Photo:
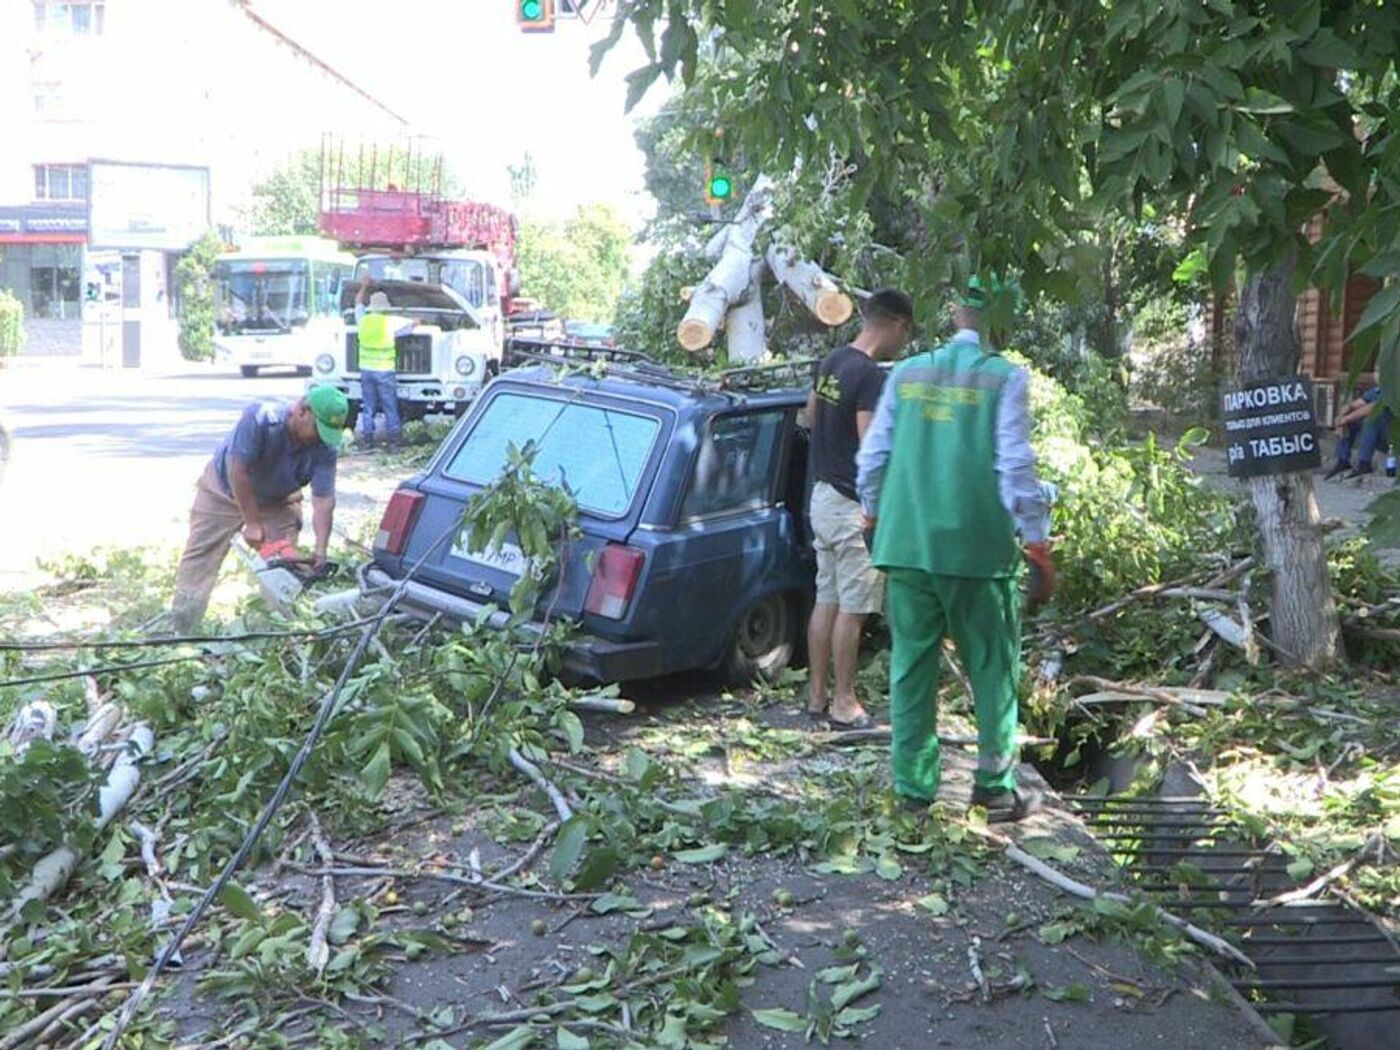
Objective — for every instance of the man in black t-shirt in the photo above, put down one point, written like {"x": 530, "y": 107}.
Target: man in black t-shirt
{"x": 848, "y": 588}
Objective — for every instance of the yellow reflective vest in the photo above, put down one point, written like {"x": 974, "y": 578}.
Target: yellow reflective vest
{"x": 376, "y": 334}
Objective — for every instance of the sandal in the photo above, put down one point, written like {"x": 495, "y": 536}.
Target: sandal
{"x": 861, "y": 721}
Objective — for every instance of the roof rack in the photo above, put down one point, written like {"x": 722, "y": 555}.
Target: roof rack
{"x": 801, "y": 372}
{"x": 637, "y": 366}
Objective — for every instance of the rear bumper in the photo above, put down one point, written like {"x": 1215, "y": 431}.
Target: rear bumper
{"x": 586, "y": 656}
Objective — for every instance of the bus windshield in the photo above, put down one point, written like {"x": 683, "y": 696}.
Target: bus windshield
{"x": 261, "y": 296}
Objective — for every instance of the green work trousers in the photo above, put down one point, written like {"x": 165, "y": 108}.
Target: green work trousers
{"x": 983, "y": 618}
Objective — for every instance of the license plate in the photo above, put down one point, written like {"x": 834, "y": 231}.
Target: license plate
{"x": 262, "y": 355}
{"x": 507, "y": 558}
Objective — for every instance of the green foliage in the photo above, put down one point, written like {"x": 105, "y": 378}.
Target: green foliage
{"x": 577, "y": 267}
{"x": 649, "y": 310}
{"x": 194, "y": 279}
{"x": 47, "y": 796}
{"x": 287, "y": 200}
{"x": 1126, "y": 515}
{"x": 12, "y": 335}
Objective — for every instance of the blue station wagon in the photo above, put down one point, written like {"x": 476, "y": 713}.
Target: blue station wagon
{"x": 691, "y": 494}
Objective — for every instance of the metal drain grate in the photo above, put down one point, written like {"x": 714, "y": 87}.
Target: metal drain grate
{"x": 1318, "y": 956}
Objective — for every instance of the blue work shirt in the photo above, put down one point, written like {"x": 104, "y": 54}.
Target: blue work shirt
{"x": 277, "y": 465}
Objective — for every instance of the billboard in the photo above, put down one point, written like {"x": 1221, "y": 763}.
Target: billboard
{"x": 160, "y": 206}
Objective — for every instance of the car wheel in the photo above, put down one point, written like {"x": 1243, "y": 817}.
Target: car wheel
{"x": 763, "y": 643}
{"x": 249, "y": 371}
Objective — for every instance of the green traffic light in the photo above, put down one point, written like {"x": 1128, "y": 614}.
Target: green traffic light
{"x": 721, "y": 186}
{"x": 531, "y": 10}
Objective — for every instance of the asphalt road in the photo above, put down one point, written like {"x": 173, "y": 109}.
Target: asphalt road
{"x": 109, "y": 458}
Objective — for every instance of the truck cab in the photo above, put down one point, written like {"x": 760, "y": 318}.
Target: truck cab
{"x": 441, "y": 364}
{"x": 455, "y": 296}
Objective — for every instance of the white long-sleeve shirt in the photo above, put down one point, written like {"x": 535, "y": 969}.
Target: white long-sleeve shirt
{"x": 1022, "y": 494}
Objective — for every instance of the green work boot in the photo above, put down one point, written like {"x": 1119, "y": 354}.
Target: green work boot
{"x": 1007, "y": 805}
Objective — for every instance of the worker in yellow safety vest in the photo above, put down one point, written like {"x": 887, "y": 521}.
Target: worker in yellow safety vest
{"x": 377, "y": 331}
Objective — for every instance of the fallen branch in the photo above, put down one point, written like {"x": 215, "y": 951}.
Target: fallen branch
{"x": 974, "y": 963}
{"x": 1320, "y": 883}
{"x": 59, "y": 1013}
{"x": 36, "y": 720}
{"x": 318, "y": 952}
{"x": 1371, "y": 634}
{"x": 561, "y": 804}
{"x": 1075, "y": 888}
{"x": 1189, "y": 700}
{"x": 53, "y": 870}
{"x": 611, "y": 705}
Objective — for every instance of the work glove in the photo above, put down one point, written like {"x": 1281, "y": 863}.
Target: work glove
{"x": 1041, "y": 584}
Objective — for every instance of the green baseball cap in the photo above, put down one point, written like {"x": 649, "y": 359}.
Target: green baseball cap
{"x": 330, "y": 407}
{"x": 974, "y": 298}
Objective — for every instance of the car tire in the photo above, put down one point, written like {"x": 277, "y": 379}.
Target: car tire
{"x": 249, "y": 371}
{"x": 763, "y": 643}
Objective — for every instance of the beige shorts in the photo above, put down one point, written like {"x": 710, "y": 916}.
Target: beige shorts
{"x": 845, "y": 577}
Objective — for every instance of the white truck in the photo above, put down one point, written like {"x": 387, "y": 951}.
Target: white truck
{"x": 455, "y": 349}
{"x": 277, "y": 302}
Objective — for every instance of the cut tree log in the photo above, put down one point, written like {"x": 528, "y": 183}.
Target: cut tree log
{"x": 725, "y": 284}
{"x": 36, "y": 720}
{"x": 743, "y": 328}
{"x": 1303, "y": 613}
{"x": 53, "y": 870}
{"x": 810, "y": 283}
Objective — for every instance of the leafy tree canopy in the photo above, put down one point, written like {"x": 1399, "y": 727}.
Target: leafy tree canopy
{"x": 576, "y": 267}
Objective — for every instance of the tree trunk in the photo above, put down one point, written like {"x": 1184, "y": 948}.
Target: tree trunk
{"x": 744, "y": 326}
{"x": 732, "y": 248}
{"x": 1303, "y": 614}
{"x": 810, "y": 283}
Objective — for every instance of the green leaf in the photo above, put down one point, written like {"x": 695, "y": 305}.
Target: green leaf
{"x": 838, "y": 974}
{"x": 568, "y": 847}
{"x": 854, "y": 1015}
{"x": 598, "y": 867}
{"x": 702, "y": 854}
{"x": 611, "y": 902}
{"x": 888, "y": 868}
{"x": 1379, "y": 308}
{"x": 235, "y": 898}
{"x": 1173, "y": 99}
{"x": 572, "y": 728}
{"x": 934, "y": 904}
{"x": 638, "y": 81}
{"x": 517, "y": 1038}
{"x": 1070, "y": 993}
{"x": 853, "y": 990}
{"x": 1048, "y": 849}
{"x": 375, "y": 773}
{"x": 1300, "y": 869}
{"x": 566, "y": 1040}
{"x": 782, "y": 1020}
{"x": 1384, "y": 529}
{"x": 1054, "y": 932}
{"x": 343, "y": 926}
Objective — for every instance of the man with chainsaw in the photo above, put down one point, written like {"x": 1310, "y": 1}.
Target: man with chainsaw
{"x": 253, "y": 485}
{"x": 947, "y": 479}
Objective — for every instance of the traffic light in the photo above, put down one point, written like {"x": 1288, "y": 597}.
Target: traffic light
{"x": 719, "y": 184}
{"x": 535, "y": 16}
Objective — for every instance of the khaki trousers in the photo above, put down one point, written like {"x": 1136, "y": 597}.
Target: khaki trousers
{"x": 214, "y": 521}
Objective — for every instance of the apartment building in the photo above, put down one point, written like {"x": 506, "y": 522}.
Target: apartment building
{"x": 208, "y": 84}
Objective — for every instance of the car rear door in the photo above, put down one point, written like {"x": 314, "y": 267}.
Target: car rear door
{"x": 603, "y": 449}
{"x": 735, "y": 539}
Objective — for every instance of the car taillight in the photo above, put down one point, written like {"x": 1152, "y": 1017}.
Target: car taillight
{"x": 614, "y": 581}
{"x": 398, "y": 520}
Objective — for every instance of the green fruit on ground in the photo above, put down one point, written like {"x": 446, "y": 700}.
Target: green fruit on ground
{"x": 783, "y": 897}
{"x": 539, "y": 927}
{"x": 420, "y": 907}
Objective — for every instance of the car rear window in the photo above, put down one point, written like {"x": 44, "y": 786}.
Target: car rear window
{"x": 596, "y": 453}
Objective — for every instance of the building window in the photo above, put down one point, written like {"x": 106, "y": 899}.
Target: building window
{"x": 60, "y": 182}
{"x": 70, "y": 18}
{"x": 45, "y": 277}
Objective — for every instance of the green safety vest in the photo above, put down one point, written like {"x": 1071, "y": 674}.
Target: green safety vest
{"x": 940, "y": 506}
{"x": 377, "y": 342}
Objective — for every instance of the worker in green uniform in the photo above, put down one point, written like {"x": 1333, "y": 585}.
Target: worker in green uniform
{"x": 947, "y": 479}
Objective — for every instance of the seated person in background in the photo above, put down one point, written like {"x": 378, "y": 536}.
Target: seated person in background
{"x": 1369, "y": 433}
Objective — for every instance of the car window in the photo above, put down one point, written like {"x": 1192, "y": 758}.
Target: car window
{"x": 596, "y": 453}
{"x": 734, "y": 469}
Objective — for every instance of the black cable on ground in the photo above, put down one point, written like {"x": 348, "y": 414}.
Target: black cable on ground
{"x": 60, "y": 676}
{"x": 279, "y": 796}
